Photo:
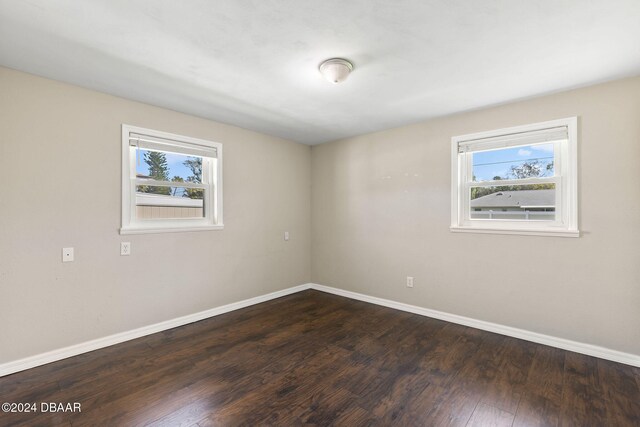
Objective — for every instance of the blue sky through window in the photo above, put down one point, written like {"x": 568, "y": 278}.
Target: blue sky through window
{"x": 175, "y": 165}
{"x": 489, "y": 164}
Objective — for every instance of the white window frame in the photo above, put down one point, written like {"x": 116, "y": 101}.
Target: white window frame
{"x": 211, "y": 183}
{"x": 565, "y": 179}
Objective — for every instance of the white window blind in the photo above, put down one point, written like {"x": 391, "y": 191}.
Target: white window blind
{"x": 542, "y": 136}
{"x": 152, "y": 143}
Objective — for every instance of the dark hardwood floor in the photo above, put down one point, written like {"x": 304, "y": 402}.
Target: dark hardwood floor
{"x": 317, "y": 359}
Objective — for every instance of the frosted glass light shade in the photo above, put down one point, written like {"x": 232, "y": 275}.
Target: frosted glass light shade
{"x": 336, "y": 70}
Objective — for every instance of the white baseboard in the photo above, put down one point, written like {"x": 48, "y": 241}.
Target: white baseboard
{"x": 63, "y": 353}
{"x": 578, "y": 347}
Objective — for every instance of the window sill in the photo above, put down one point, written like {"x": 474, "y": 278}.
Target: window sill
{"x": 522, "y": 232}
{"x": 153, "y": 230}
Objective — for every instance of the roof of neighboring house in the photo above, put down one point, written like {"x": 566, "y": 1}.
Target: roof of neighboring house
{"x": 149, "y": 199}
{"x": 519, "y": 199}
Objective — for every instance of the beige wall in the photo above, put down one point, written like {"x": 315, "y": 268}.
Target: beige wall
{"x": 60, "y": 165}
{"x": 381, "y": 212}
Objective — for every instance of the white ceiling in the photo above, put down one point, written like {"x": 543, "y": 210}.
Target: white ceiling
{"x": 254, "y": 63}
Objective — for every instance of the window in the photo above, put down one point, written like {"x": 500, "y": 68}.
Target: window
{"x": 169, "y": 182}
{"x": 520, "y": 180}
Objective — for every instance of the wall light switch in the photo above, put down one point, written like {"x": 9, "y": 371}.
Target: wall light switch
{"x": 67, "y": 254}
{"x": 125, "y": 248}
{"x": 286, "y": 235}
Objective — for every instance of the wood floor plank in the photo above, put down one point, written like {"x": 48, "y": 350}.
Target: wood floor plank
{"x": 621, "y": 392}
{"x": 294, "y": 376}
{"x": 489, "y": 416}
{"x": 540, "y": 404}
{"x": 482, "y": 367}
{"x": 318, "y": 359}
{"x": 583, "y": 401}
{"x": 416, "y": 410}
{"x": 454, "y": 407}
{"x": 505, "y": 389}
{"x": 357, "y": 416}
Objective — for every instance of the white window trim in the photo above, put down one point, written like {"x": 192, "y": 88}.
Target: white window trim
{"x": 566, "y": 181}
{"x": 129, "y": 224}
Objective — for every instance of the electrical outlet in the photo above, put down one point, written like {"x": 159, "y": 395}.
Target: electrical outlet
{"x": 286, "y": 235}
{"x": 409, "y": 282}
{"x": 125, "y": 248}
{"x": 67, "y": 254}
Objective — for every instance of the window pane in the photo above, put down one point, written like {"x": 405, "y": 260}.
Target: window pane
{"x": 163, "y": 166}
{"x": 521, "y": 202}
{"x": 155, "y": 202}
{"x": 527, "y": 161}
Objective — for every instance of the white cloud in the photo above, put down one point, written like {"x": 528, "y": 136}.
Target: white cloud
{"x": 543, "y": 147}
{"x": 523, "y": 152}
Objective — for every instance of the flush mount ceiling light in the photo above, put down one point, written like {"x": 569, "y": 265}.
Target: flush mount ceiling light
{"x": 336, "y": 70}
